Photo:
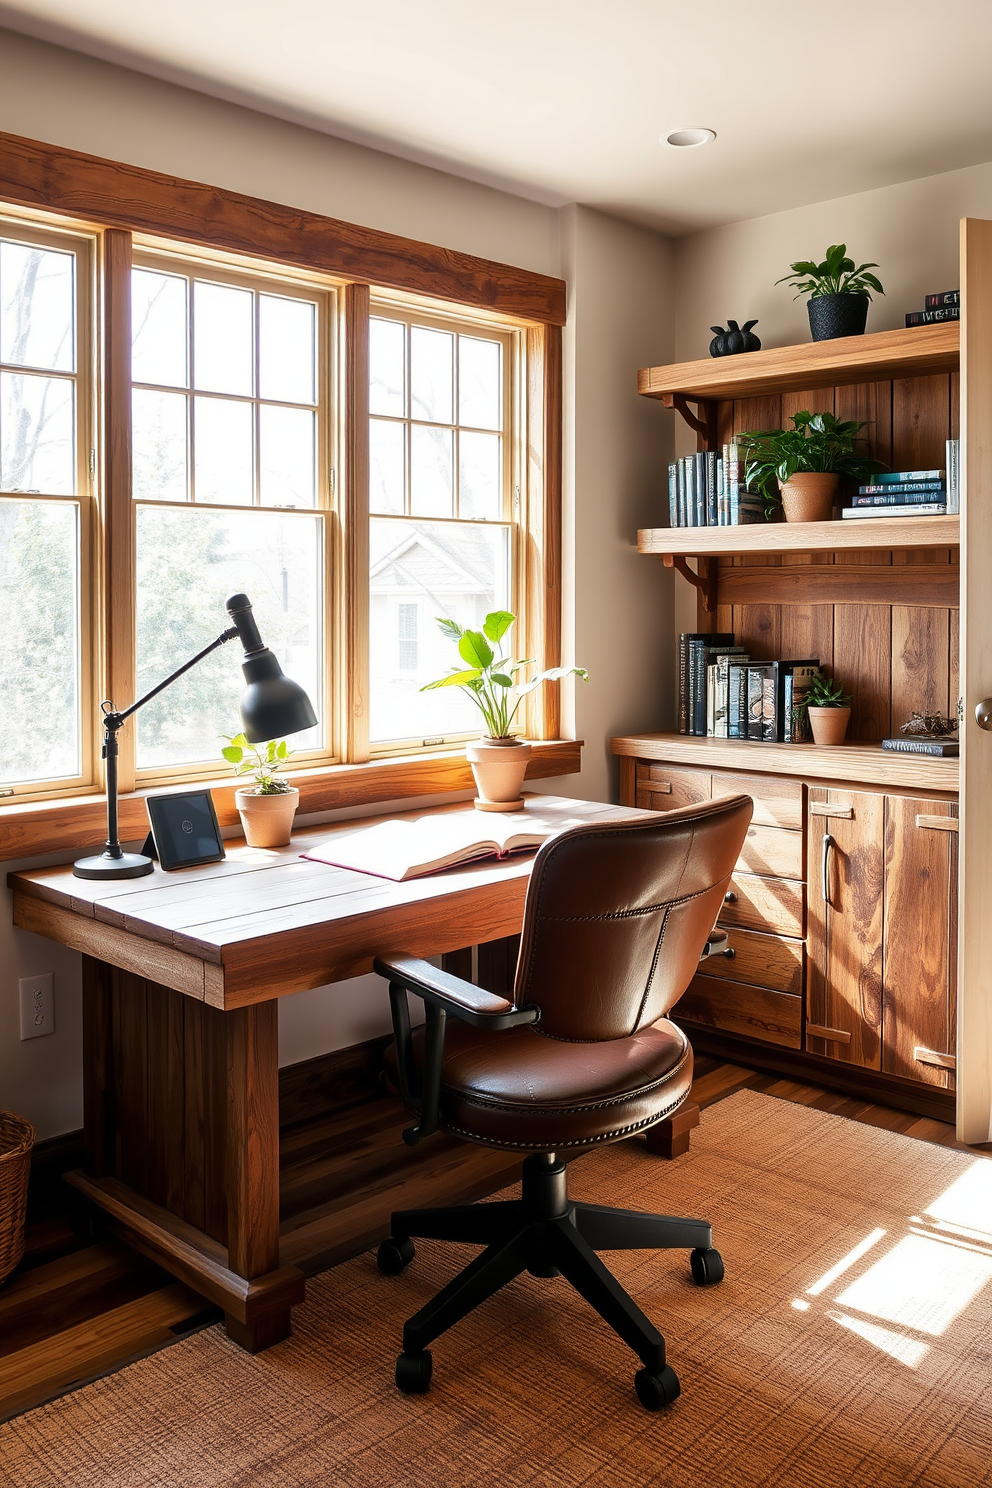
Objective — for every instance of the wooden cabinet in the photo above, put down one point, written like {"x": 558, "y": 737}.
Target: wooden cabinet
{"x": 841, "y": 918}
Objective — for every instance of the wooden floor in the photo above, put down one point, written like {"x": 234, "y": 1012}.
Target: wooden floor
{"x": 74, "y": 1311}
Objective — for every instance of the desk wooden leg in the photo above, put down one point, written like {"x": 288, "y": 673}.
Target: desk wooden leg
{"x": 253, "y": 1161}
{"x": 98, "y": 1068}
{"x": 671, "y": 1138}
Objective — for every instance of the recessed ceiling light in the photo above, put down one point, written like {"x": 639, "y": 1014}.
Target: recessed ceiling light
{"x": 687, "y": 139}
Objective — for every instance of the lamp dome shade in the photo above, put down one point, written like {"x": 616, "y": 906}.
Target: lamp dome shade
{"x": 273, "y": 704}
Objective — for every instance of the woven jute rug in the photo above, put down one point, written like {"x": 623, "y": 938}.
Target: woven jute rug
{"x": 849, "y": 1345}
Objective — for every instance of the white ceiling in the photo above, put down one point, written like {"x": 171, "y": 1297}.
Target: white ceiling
{"x": 565, "y": 100}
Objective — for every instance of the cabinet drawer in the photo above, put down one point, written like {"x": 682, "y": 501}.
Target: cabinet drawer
{"x": 777, "y": 802}
{"x": 759, "y": 960}
{"x": 772, "y": 853}
{"x": 775, "y": 904}
{"x": 663, "y": 788}
{"x": 754, "y": 1012}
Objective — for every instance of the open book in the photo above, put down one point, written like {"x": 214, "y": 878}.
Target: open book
{"x": 409, "y": 848}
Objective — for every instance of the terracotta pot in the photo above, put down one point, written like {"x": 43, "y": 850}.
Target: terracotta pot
{"x": 809, "y": 496}
{"x": 267, "y": 820}
{"x": 829, "y": 725}
{"x": 499, "y": 767}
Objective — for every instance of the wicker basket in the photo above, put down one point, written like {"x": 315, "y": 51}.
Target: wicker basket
{"x": 16, "y": 1142}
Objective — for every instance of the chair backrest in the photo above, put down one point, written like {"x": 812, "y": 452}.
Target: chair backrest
{"x": 617, "y": 916}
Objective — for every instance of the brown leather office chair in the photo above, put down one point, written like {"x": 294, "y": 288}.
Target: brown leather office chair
{"x": 617, "y": 919}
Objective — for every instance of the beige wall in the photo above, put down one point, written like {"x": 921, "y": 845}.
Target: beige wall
{"x": 910, "y": 230}
{"x": 617, "y": 607}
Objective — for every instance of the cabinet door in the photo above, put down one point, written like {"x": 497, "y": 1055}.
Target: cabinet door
{"x": 844, "y": 966}
{"x": 919, "y": 970}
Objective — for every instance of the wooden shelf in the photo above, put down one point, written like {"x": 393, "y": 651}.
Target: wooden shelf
{"x": 866, "y": 764}
{"x": 878, "y": 357}
{"x": 803, "y": 537}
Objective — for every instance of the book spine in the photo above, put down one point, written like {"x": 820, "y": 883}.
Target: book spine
{"x": 941, "y": 301}
{"x": 693, "y": 668}
{"x": 932, "y": 317}
{"x": 712, "y": 504}
{"x": 673, "y": 499}
{"x": 924, "y": 509}
{"x": 900, "y": 498}
{"x": 901, "y": 488}
{"x": 711, "y": 672}
{"x": 897, "y": 477}
{"x": 683, "y": 683}
{"x": 953, "y": 476}
{"x": 721, "y": 698}
{"x": 770, "y": 713}
{"x": 734, "y": 699}
{"x": 699, "y": 488}
{"x": 754, "y": 702}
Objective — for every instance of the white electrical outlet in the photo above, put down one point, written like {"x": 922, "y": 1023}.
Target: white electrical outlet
{"x": 37, "y": 1005}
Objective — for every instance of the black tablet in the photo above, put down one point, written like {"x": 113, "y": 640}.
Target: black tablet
{"x": 184, "y": 829}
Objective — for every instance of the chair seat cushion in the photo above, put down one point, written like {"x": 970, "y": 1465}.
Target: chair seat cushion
{"x": 518, "y": 1089}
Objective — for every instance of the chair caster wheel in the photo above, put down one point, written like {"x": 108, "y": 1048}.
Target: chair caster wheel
{"x": 413, "y": 1372}
{"x": 707, "y": 1267}
{"x": 656, "y": 1388}
{"x": 393, "y": 1256}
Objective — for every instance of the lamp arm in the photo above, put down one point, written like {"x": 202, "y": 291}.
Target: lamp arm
{"x": 114, "y": 719}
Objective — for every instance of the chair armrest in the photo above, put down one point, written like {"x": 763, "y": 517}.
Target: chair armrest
{"x": 717, "y": 944}
{"x": 442, "y": 994}
{"x": 473, "y": 1005}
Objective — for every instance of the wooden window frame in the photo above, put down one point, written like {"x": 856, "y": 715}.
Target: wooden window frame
{"x": 85, "y": 191}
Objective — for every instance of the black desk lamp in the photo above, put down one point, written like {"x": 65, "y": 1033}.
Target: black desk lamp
{"x": 273, "y": 705}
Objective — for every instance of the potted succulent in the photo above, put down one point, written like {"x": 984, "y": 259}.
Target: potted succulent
{"x": 829, "y": 709}
{"x": 802, "y": 466}
{"x": 839, "y": 292}
{"x": 499, "y": 758}
{"x": 266, "y": 807}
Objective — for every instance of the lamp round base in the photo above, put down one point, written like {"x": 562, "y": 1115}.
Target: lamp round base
{"x": 128, "y": 865}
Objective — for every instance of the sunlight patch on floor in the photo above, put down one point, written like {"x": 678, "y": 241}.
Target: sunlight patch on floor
{"x": 920, "y": 1283}
{"x": 907, "y": 1350}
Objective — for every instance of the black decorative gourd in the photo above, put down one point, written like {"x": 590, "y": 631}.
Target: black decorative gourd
{"x": 734, "y": 339}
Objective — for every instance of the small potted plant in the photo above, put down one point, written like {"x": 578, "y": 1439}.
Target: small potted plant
{"x": 839, "y": 291}
{"x": 268, "y": 806}
{"x": 829, "y": 709}
{"x": 800, "y": 468}
{"x": 499, "y": 758}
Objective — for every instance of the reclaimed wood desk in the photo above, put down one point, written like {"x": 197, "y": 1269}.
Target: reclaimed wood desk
{"x": 181, "y": 973}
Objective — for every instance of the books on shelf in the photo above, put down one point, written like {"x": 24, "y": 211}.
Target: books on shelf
{"x": 903, "y": 509}
{"x": 905, "y": 744}
{"x": 706, "y": 490}
{"x": 937, "y": 308}
{"x": 921, "y": 489}
{"x": 953, "y": 458}
{"x": 725, "y": 694}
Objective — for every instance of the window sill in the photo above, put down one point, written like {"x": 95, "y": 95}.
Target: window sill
{"x": 27, "y": 830}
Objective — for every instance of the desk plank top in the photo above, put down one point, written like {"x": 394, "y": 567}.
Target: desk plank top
{"x": 265, "y": 922}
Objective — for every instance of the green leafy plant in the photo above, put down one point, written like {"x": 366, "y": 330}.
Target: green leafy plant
{"x": 816, "y": 442}
{"x": 488, "y": 678}
{"x": 837, "y": 274}
{"x": 263, "y": 761}
{"x": 825, "y": 692}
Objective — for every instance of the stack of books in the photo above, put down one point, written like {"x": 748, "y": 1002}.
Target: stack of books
{"x": 724, "y": 694}
{"x": 943, "y": 306}
{"x": 707, "y": 490}
{"x": 911, "y": 493}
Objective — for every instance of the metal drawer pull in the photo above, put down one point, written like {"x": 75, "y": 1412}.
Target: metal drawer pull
{"x": 730, "y": 953}
{"x": 825, "y": 808}
{"x": 931, "y": 1056}
{"x": 828, "y": 843}
{"x": 939, "y": 823}
{"x": 730, "y": 898}
{"x": 829, "y": 1035}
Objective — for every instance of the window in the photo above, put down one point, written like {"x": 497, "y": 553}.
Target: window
{"x": 357, "y": 460}
{"x": 45, "y": 506}
{"x": 441, "y": 538}
{"x": 230, "y": 448}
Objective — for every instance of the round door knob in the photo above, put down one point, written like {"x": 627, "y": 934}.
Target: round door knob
{"x": 730, "y": 898}
{"x": 983, "y": 713}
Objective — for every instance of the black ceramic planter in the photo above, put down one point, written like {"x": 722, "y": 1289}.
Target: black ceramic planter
{"x": 837, "y": 315}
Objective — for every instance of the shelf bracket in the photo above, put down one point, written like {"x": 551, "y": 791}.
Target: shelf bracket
{"x": 704, "y": 580}
{"x": 703, "y": 422}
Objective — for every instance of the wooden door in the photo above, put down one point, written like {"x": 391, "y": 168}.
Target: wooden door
{"x": 919, "y": 958}
{"x": 974, "y": 1045}
{"x": 845, "y": 902}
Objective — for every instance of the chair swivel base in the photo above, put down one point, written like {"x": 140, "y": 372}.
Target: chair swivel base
{"x": 543, "y": 1232}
